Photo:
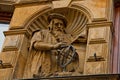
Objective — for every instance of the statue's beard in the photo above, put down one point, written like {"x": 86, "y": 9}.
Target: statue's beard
{"x": 58, "y": 35}
{"x": 58, "y": 30}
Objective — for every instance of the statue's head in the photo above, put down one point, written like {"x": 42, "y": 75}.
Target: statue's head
{"x": 57, "y": 22}
{"x": 59, "y": 17}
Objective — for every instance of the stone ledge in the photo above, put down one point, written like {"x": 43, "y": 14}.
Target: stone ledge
{"x": 82, "y": 77}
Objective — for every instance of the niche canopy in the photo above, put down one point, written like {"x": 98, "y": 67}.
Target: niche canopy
{"x": 76, "y": 21}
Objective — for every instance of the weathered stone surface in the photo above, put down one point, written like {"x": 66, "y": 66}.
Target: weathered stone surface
{"x": 6, "y": 74}
{"x": 82, "y": 77}
{"x": 88, "y": 24}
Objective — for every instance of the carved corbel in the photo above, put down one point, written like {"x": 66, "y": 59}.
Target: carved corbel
{"x": 95, "y": 58}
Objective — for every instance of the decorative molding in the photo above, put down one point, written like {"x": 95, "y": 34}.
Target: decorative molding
{"x": 17, "y": 32}
{"x": 99, "y": 19}
{"x": 97, "y": 41}
{"x": 15, "y": 27}
{"x": 82, "y": 77}
{"x": 93, "y": 59}
{"x": 10, "y": 48}
{"x": 99, "y": 24}
{"x": 61, "y": 3}
{"x": 13, "y": 39}
{"x": 12, "y": 43}
{"x": 98, "y": 35}
{"x": 29, "y": 3}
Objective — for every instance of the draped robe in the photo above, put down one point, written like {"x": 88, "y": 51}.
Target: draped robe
{"x": 43, "y": 62}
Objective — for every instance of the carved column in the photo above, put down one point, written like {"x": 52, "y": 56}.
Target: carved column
{"x": 14, "y": 54}
{"x": 97, "y": 60}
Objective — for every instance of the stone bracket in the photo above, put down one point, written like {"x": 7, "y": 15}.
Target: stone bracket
{"x": 95, "y": 58}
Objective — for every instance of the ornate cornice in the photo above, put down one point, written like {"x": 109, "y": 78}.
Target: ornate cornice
{"x": 101, "y": 24}
{"x": 16, "y": 32}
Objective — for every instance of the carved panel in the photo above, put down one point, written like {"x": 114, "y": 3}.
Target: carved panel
{"x": 9, "y": 57}
{"x": 98, "y": 52}
{"x": 12, "y": 42}
{"x": 99, "y": 49}
{"x": 96, "y": 67}
{"x": 99, "y": 34}
{"x": 6, "y": 74}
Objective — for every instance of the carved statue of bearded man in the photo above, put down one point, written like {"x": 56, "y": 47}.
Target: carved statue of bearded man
{"x": 42, "y": 59}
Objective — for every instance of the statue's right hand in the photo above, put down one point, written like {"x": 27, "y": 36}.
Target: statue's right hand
{"x": 60, "y": 45}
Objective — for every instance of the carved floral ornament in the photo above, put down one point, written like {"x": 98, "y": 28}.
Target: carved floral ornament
{"x": 76, "y": 21}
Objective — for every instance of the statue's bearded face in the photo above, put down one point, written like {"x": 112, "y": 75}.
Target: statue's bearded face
{"x": 58, "y": 25}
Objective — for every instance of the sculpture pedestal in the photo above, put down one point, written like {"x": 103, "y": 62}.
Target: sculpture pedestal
{"x": 82, "y": 77}
{"x": 62, "y": 74}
